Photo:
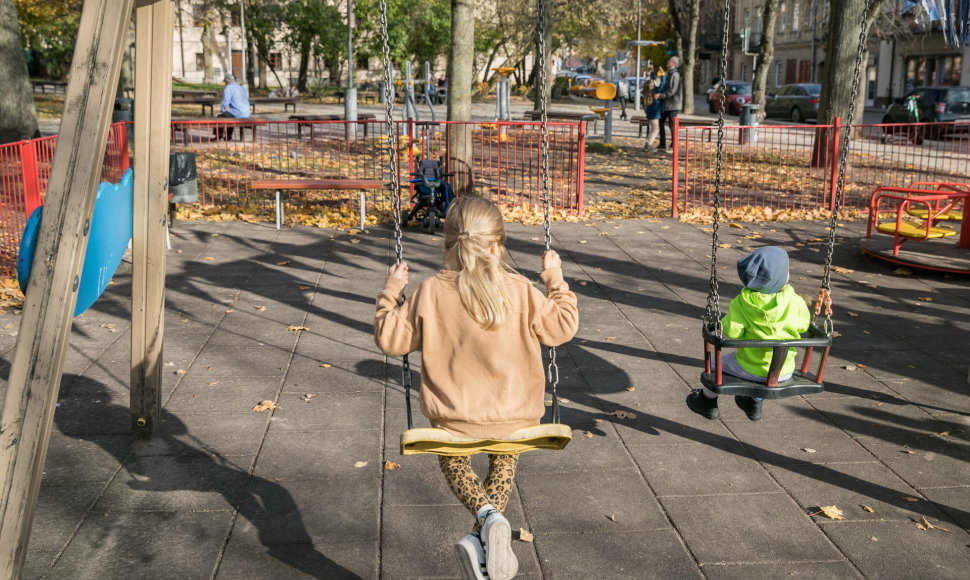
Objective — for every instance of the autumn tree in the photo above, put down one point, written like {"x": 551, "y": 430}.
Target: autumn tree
{"x": 18, "y": 118}
{"x": 766, "y": 54}
{"x": 686, "y": 15}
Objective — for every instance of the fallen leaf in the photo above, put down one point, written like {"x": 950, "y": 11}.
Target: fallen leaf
{"x": 924, "y": 524}
{"x": 724, "y": 245}
{"x": 297, "y": 328}
{"x": 587, "y": 434}
{"x": 583, "y": 242}
{"x": 582, "y": 282}
{"x": 831, "y": 512}
{"x": 907, "y": 451}
{"x": 326, "y": 365}
{"x": 169, "y": 364}
{"x": 230, "y": 311}
{"x": 213, "y": 383}
{"x": 354, "y": 240}
{"x": 283, "y": 263}
{"x": 109, "y": 326}
{"x": 388, "y": 465}
{"x": 910, "y": 498}
{"x": 867, "y": 508}
{"x": 208, "y": 258}
{"x": 611, "y": 338}
{"x": 611, "y": 517}
{"x": 809, "y": 450}
{"x": 849, "y": 367}
{"x": 260, "y": 308}
{"x": 735, "y": 226}
{"x": 631, "y": 389}
{"x": 924, "y": 299}
{"x": 360, "y": 464}
{"x": 525, "y": 535}
{"x": 852, "y": 314}
{"x": 303, "y": 287}
{"x": 842, "y": 270}
{"x": 623, "y": 415}
{"x": 902, "y": 272}
{"x": 181, "y": 372}
{"x": 266, "y": 405}
{"x": 307, "y": 396}
{"x": 944, "y": 434}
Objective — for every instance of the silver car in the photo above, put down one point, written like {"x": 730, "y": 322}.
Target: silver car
{"x": 796, "y": 102}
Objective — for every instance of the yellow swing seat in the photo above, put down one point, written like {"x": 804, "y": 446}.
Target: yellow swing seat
{"x": 550, "y": 436}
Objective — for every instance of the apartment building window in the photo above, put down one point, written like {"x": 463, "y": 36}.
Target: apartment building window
{"x": 780, "y": 29}
{"x": 779, "y": 71}
{"x": 795, "y": 16}
{"x": 275, "y": 60}
{"x": 950, "y": 67}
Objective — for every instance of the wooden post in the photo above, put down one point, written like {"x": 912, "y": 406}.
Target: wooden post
{"x": 35, "y": 374}
{"x": 153, "y": 111}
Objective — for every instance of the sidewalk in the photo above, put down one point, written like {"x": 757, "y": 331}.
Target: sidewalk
{"x": 222, "y": 491}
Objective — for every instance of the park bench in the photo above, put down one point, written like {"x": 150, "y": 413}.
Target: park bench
{"x": 54, "y": 86}
{"x": 278, "y": 186}
{"x": 209, "y": 102}
{"x": 307, "y": 121}
{"x": 183, "y": 127}
{"x": 642, "y": 122}
{"x": 561, "y": 116}
{"x": 287, "y": 102}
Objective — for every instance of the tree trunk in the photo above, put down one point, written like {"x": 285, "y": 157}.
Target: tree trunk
{"x": 542, "y": 59}
{"x": 766, "y": 54}
{"x": 18, "y": 117}
{"x": 304, "y": 65}
{"x": 841, "y": 48}
{"x": 689, "y": 56}
{"x": 127, "y": 76}
{"x": 461, "y": 67}
{"x": 208, "y": 47}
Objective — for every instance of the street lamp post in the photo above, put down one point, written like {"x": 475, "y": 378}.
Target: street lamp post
{"x": 242, "y": 34}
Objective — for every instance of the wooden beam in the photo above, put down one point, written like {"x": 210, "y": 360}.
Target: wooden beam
{"x": 35, "y": 374}
{"x": 153, "y": 110}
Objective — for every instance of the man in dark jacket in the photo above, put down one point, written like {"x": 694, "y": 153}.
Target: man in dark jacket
{"x": 672, "y": 98}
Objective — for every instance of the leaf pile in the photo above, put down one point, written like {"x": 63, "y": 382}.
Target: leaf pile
{"x": 11, "y": 298}
{"x": 747, "y": 213}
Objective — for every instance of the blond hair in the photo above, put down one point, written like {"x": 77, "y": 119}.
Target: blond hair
{"x": 473, "y": 228}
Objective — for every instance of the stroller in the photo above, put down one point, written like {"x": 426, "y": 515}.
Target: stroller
{"x": 432, "y": 195}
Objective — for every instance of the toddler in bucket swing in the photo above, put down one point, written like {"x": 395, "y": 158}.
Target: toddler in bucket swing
{"x": 479, "y": 326}
{"x": 766, "y": 309}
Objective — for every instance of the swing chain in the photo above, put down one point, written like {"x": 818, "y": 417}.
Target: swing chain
{"x": 541, "y": 82}
{"x": 712, "y": 313}
{"x": 395, "y": 184}
{"x": 846, "y": 138}
{"x": 392, "y": 142}
{"x": 541, "y": 86}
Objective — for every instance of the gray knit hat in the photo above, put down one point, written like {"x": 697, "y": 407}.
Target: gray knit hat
{"x": 764, "y": 270}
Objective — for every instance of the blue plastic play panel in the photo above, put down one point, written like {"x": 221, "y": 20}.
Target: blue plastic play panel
{"x": 107, "y": 241}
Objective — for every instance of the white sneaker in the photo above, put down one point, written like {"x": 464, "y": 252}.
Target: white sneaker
{"x": 471, "y": 558}
{"x": 501, "y": 563}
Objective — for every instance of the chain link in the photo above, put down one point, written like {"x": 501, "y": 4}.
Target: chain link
{"x": 712, "y": 313}
{"x": 845, "y": 140}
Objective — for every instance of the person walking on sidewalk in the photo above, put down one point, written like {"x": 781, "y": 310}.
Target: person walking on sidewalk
{"x": 767, "y": 309}
{"x": 651, "y": 108}
{"x": 672, "y": 99}
{"x": 479, "y": 326}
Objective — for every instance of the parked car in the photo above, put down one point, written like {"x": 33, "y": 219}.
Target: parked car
{"x": 797, "y": 102}
{"x": 933, "y": 105}
{"x": 736, "y": 93}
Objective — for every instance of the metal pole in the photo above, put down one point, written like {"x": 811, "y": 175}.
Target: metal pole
{"x": 636, "y": 95}
{"x": 242, "y": 34}
{"x": 350, "y": 94}
{"x": 814, "y": 21}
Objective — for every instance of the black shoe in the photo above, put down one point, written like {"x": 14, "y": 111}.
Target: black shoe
{"x": 750, "y": 406}
{"x": 702, "y": 405}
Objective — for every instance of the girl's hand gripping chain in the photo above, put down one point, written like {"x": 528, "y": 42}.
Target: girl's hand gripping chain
{"x": 550, "y": 259}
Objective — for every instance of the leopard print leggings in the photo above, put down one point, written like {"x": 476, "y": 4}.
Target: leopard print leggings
{"x": 470, "y": 491}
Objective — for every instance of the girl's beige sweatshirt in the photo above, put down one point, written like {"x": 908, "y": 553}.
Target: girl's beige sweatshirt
{"x": 474, "y": 382}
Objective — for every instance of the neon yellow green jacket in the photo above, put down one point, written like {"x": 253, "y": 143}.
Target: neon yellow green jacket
{"x": 756, "y": 316}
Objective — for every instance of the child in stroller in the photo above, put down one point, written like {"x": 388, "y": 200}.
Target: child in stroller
{"x": 432, "y": 195}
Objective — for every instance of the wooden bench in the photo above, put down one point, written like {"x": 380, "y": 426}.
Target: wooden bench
{"x": 561, "y": 116}
{"x": 209, "y": 102}
{"x": 286, "y": 101}
{"x": 54, "y": 86}
{"x": 183, "y": 126}
{"x": 280, "y": 185}
{"x": 307, "y": 121}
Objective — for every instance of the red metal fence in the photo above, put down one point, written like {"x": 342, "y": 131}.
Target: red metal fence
{"x": 25, "y": 169}
{"x": 772, "y": 166}
{"x": 497, "y": 160}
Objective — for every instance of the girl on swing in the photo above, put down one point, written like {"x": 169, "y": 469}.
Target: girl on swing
{"x": 479, "y": 326}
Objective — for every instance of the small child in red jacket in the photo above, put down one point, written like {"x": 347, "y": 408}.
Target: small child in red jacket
{"x": 479, "y": 326}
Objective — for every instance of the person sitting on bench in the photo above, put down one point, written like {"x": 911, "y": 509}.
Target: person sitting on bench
{"x": 235, "y": 105}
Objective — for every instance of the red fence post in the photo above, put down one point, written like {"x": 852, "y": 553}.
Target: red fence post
{"x": 834, "y": 160}
{"x": 31, "y": 178}
{"x": 676, "y": 168}
{"x": 581, "y": 169}
{"x": 121, "y": 134}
